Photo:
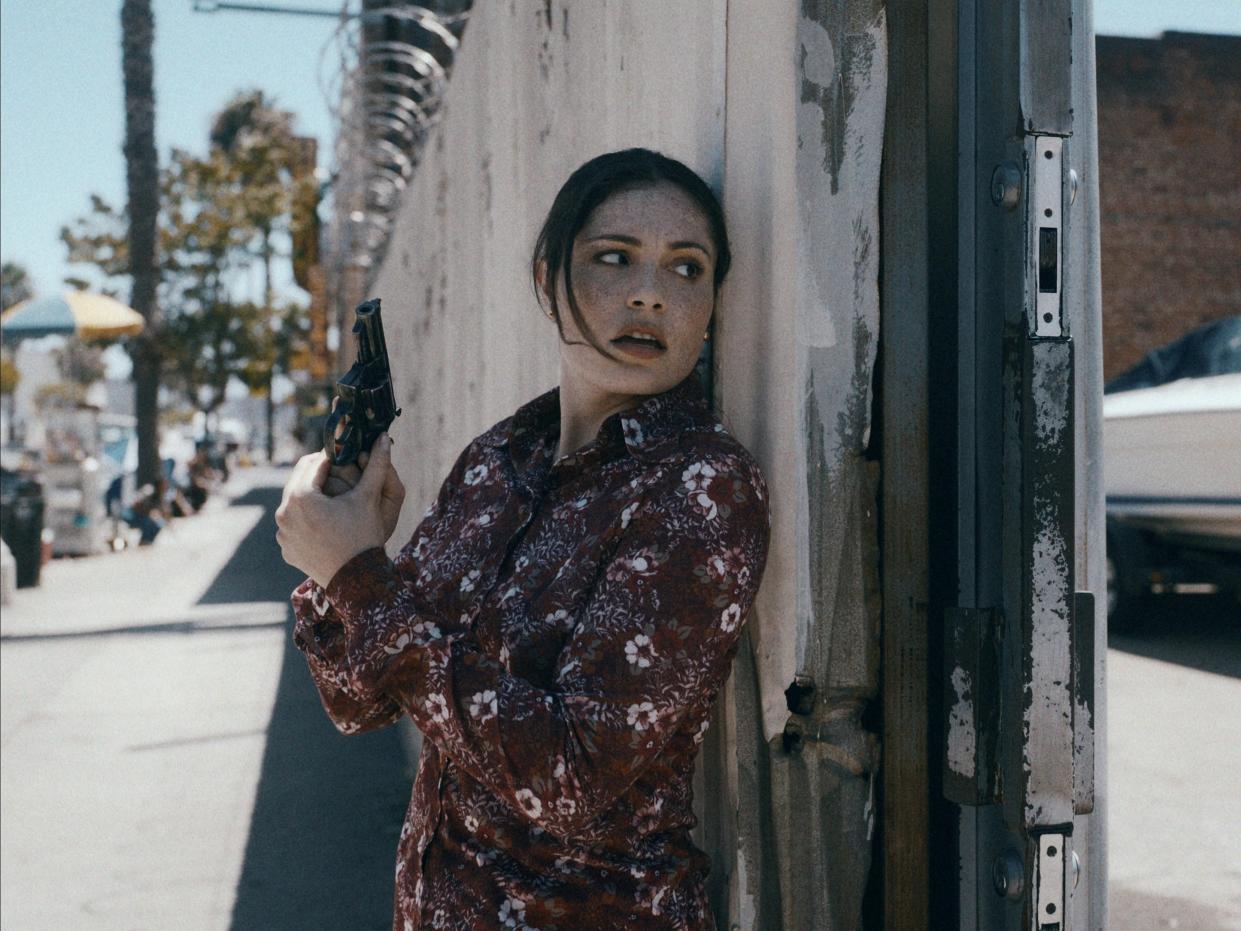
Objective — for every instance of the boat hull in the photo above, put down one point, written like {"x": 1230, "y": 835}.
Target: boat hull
{"x": 1172, "y": 460}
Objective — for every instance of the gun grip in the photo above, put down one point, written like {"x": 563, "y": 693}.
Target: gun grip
{"x": 344, "y": 448}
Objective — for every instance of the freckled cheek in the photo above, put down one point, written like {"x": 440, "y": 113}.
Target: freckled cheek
{"x": 598, "y": 299}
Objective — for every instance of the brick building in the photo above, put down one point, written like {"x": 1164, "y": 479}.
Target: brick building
{"x": 1169, "y": 188}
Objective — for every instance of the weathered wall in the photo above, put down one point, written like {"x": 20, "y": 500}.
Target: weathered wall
{"x": 780, "y": 106}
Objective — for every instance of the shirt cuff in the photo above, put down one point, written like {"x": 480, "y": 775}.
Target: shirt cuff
{"x": 356, "y": 583}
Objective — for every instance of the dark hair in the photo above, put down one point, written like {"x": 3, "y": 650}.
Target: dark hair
{"x": 587, "y": 188}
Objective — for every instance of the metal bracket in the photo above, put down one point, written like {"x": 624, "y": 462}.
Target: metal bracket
{"x": 1045, "y": 234}
{"x": 1049, "y": 882}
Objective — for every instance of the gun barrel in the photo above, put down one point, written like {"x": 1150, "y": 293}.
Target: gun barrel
{"x": 369, "y": 330}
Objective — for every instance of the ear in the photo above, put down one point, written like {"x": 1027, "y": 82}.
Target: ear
{"x": 540, "y": 276}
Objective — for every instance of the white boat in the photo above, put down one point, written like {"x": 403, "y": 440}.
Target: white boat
{"x": 1172, "y": 460}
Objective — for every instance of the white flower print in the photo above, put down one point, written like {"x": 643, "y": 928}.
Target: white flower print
{"x": 730, "y": 618}
{"x": 642, "y": 715}
{"x": 425, "y": 632}
{"x": 438, "y": 706}
{"x": 513, "y": 914}
{"x": 627, "y": 514}
{"x": 469, "y": 581}
{"x": 420, "y": 547}
{"x": 730, "y": 562}
{"x": 318, "y": 600}
{"x": 483, "y": 705}
{"x": 529, "y": 803}
{"x": 476, "y": 474}
{"x": 557, "y": 618}
{"x": 640, "y": 651}
{"x": 655, "y": 909}
{"x": 560, "y": 767}
{"x": 565, "y": 807}
{"x": 643, "y": 562}
{"x": 702, "y": 730}
{"x": 483, "y": 519}
{"x": 633, "y": 431}
{"x": 521, "y": 564}
{"x": 705, "y": 504}
{"x": 698, "y": 476}
{"x": 400, "y": 644}
{"x": 471, "y": 824}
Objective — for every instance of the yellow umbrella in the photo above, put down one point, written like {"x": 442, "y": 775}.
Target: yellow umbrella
{"x": 76, "y": 313}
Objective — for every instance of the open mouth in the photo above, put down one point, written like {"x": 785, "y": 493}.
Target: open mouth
{"x": 639, "y": 345}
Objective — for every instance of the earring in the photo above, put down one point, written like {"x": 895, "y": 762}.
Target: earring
{"x": 706, "y": 336}
{"x": 550, "y": 315}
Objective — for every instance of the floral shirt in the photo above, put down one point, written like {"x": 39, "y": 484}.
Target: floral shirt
{"x": 558, "y": 632}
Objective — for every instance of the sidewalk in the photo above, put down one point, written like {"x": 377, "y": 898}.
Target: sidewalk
{"x": 166, "y": 761}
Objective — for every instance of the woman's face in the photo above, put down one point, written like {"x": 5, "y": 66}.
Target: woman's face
{"x": 645, "y": 262}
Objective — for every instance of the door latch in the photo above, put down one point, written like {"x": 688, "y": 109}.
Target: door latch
{"x": 1046, "y": 234}
{"x": 1049, "y": 883}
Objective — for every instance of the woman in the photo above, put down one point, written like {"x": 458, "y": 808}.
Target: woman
{"x": 562, "y": 619}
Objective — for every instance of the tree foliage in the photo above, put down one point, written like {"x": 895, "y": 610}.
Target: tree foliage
{"x": 220, "y": 213}
{"x": 15, "y": 285}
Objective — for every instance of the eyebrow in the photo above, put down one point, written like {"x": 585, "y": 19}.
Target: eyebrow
{"x": 630, "y": 240}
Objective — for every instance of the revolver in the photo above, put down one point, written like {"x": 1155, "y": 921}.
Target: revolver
{"x": 365, "y": 403}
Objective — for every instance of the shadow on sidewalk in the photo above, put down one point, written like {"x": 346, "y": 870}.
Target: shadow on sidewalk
{"x": 255, "y": 572}
{"x": 327, "y": 814}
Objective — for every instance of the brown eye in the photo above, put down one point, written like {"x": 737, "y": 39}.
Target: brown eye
{"x": 694, "y": 269}
{"x": 604, "y": 258}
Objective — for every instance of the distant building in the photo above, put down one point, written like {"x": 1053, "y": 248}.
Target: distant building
{"x": 1169, "y": 188}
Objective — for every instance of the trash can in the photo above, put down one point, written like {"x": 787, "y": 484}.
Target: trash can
{"x": 21, "y": 523}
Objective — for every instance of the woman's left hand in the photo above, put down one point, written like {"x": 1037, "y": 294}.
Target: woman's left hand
{"x": 319, "y": 534}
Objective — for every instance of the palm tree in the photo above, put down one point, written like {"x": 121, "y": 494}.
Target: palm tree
{"x": 142, "y": 176}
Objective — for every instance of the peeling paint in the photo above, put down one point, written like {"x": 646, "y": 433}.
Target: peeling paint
{"x": 962, "y": 731}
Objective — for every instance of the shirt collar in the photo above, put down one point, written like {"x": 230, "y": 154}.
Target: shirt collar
{"x": 651, "y": 429}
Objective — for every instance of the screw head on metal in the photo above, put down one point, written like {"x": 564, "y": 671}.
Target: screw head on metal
{"x": 1008, "y": 875}
{"x": 1006, "y": 185}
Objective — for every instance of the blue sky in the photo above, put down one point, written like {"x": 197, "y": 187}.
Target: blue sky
{"x": 62, "y": 116}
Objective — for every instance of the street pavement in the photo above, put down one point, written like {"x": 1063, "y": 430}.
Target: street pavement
{"x": 1174, "y": 760}
{"x": 166, "y": 761}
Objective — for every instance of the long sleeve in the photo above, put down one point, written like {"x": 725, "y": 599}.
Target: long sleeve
{"x": 653, "y": 644}
{"x": 319, "y": 634}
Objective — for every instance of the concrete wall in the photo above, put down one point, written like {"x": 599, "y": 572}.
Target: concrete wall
{"x": 780, "y": 106}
